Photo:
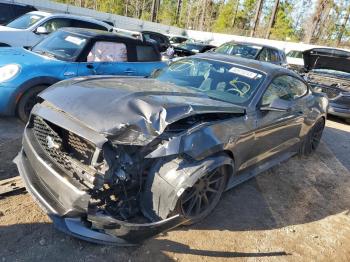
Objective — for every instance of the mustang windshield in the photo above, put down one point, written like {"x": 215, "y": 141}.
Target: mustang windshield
{"x": 219, "y": 80}
{"x": 61, "y": 45}
{"x": 246, "y": 50}
{"x": 25, "y": 21}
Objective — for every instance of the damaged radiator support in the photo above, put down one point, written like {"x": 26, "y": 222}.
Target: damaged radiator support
{"x": 113, "y": 178}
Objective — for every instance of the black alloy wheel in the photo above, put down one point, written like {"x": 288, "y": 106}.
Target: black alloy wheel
{"x": 199, "y": 200}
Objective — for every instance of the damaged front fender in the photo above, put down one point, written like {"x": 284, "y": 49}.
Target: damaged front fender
{"x": 168, "y": 179}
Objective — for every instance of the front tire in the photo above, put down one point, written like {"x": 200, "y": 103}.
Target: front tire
{"x": 201, "y": 199}
{"x": 27, "y": 102}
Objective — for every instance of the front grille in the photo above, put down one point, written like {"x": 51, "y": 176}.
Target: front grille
{"x": 58, "y": 140}
{"x": 68, "y": 150}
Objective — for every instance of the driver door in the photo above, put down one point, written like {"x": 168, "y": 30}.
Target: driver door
{"x": 106, "y": 58}
{"x": 278, "y": 130}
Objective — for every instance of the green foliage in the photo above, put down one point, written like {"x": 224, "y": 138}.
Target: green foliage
{"x": 245, "y": 15}
{"x": 283, "y": 28}
{"x": 236, "y": 16}
{"x": 225, "y": 17}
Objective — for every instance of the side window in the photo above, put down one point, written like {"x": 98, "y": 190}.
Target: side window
{"x": 146, "y": 53}
{"x": 298, "y": 88}
{"x": 84, "y": 24}
{"x": 274, "y": 56}
{"x": 56, "y": 23}
{"x": 263, "y": 56}
{"x": 5, "y": 13}
{"x": 298, "y": 54}
{"x": 284, "y": 87}
{"x": 103, "y": 51}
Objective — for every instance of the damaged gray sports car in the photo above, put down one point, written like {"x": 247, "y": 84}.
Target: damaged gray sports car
{"x": 118, "y": 160}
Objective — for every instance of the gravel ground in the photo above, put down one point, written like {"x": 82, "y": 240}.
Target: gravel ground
{"x": 297, "y": 211}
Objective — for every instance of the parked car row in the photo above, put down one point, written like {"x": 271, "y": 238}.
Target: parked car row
{"x": 120, "y": 145}
{"x": 68, "y": 53}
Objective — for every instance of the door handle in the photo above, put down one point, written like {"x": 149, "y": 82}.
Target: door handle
{"x": 90, "y": 66}
{"x": 129, "y": 71}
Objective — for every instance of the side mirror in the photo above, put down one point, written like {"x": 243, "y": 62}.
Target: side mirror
{"x": 278, "y": 105}
{"x": 41, "y": 30}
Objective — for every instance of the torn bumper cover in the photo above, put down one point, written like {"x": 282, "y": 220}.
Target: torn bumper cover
{"x": 67, "y": 205}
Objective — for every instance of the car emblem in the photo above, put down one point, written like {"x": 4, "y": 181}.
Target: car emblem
{"x": 51, "y": 143}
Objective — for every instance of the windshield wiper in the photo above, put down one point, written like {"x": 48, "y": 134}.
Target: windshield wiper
{"x": 45, "y": 53}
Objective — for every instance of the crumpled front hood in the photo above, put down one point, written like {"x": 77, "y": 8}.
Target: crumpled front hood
{"x": 132, "y": 110}
{"x": 21, "y": 56}
{"x": 327, "y": 58}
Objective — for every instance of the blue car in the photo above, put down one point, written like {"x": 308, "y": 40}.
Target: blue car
{"x": 68, "y": 53}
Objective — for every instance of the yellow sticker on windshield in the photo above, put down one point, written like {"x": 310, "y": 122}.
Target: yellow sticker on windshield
{"x": 245, "y": 73}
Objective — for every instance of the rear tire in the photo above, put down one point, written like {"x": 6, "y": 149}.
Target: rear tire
{"x": 314, "y": 137}
{"x": 27, "y": 102}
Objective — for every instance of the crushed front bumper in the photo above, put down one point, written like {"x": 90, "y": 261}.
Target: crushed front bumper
{"x": 67, "y": 205}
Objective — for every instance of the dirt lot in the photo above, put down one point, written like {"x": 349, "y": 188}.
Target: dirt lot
{"x": 298, "y": 211}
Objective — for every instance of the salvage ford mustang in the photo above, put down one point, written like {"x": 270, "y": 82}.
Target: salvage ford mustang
{"x": 118, "y": 160}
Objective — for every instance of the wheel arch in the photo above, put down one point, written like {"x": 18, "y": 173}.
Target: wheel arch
{"x": 38, "y": 81}
{"x": 169, "y": 178}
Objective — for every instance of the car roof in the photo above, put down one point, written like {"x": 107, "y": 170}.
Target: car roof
{"x": 41, "y": 13}
{"x": 81, "y": 18}
{"x": 152, "y": 32}
{"x": 102, "y": 35}
{"x": 265, "y": 67}
{"x": 197, "y": 44}
{"x": 256, "y": 44}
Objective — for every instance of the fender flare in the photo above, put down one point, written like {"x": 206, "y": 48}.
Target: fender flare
{"x": 169, "y": 178}
{"x": 42, "y": 80}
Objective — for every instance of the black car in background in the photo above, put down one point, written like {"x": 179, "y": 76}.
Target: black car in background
{"x": 328, "y": 71}
{"x": 161, "y": 40}
{"x": 254, "y": 51}
{"x": 176, "y": 40}
{"x": 186, "y": 49}
{"x": 10, "y": 11}
{"x": 194, "y": 48}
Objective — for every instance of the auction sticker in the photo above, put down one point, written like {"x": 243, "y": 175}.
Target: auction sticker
{"x": 74, "y": 40}
{"x": 245, "y": 73}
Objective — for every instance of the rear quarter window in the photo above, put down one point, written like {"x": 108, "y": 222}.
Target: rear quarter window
{"x": 146, "y": 53}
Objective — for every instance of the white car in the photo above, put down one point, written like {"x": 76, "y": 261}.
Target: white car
{"x": 29, "y": 29}
{"x": 295, "y": 59}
